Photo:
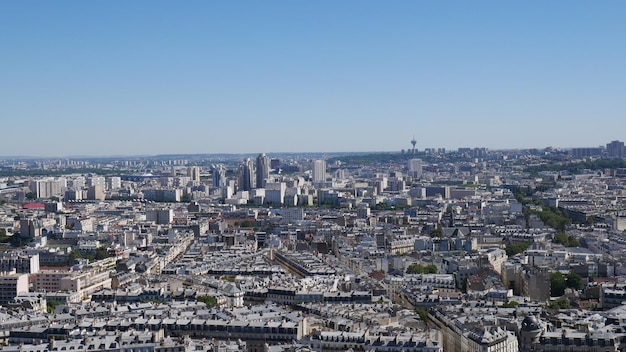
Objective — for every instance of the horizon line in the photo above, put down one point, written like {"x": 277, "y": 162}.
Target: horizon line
{"x": 5, "y": 157}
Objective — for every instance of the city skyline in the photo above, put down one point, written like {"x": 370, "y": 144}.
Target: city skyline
{"x": 149, "y": 78}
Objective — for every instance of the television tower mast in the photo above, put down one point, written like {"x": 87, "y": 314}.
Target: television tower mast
{"x": 413, "y": 142}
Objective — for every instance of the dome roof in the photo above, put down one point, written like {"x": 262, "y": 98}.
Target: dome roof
{"x": 531, "y": 323}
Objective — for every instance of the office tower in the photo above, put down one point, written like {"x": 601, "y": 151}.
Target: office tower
{"x": 319, "y": 171}
{"x": 95, "y": 193}
{"x": 586, "y": 152}
{"x": 160, "y": 216}
{"x": 218, "y": 175}
{"x": 76, "y": 183}
{"x": 246, "y": 175}
{"x": 96, "y": 181}
{"x": 47, "y": 188}
{"x": 114, "y": 182}
{"x": 262, "y": 170}
{"x": 72, "y": 194}
{"x": 615, "y": 149}
{"x": 415, "y": 168}
{"x": 52, "y": 207}
{"x": 194, "y": 173}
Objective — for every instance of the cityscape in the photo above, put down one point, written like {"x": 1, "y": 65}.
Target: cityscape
{"x": 312, "y": 176}
{"x": 416, "y": 250}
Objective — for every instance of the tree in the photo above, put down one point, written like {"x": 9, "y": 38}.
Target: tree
{"x": 421, "y": 269}
{"x": 557, "y": 284}
{"x": 436, "y": 233}
{"x": 574, "y": 281}
{"x": 102, "y": 253}
{"x": 423, "y": 314}
{"x": 567, "y": 241}
{"x": 510, "y": 304}
{"x": 51, "y": 306}
{"x": 210, "y": 301}
{"x": 513, "y": 249}
{"x": 74, "y": 255}
{"x": 246, "y": 223}
{"x": 560, "y": 303}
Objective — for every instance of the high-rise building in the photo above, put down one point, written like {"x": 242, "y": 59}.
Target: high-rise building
{"x": 262, "y": 170}
{"x": 246, "y": 175}
{"x": 218, "y": 175}
{"x": 160, "y": 216}
{"x": 76, "y": 183}
{"x": 194, "y": 173}
{"x": 586, "y": 152}
{"x": 95, "y": 193}
{"x": 319, "y": 171}
{"x": 47, "y": 188}
{"x": 615, "y": 149}
{"x": 114, "y": 182}
{"x": 96, "y": 181}
{"x": 415, "y": 168}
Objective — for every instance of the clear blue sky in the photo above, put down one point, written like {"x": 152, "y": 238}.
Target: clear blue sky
{"x": 152, "y": 77}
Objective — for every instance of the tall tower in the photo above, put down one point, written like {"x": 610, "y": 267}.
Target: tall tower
{"x": 262, "y": 170}
{"x": 413, "y": 142}
{"x": 194, "y": 173}
{"x": 615, "y": 149}
{"x": 246, "y": 175}
{"x": 319, "y": 171}
{"x": 219, "y": 175}
{"x": 415, "y": 168}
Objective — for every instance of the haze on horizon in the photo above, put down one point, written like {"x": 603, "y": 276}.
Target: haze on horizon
{"x": 159, "y": 77}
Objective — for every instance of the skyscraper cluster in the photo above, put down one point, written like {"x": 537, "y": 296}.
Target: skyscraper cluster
{"x": 254, "y": 173}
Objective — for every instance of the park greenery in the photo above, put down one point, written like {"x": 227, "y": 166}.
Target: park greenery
{"x": 13, "y": 240}
{"x": 51, "y": 306}
{"x": 422, "y": 269}
{"x": 510, "y": 304}
{"x": 553, "y": 217}
{"x": 436, "y": 232}
{"x": 560, "y": 303}
{"x": 513, "y": 249}
{"x": 210, "y": 301}
{"x": 423, "y": 314}
{"x": 567, "y": 241}
{"x": 599, "y": 164}
{"x": 101, "y": 253}
{"x": 244, "y": 223}
{"x": 559, "y": 282}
